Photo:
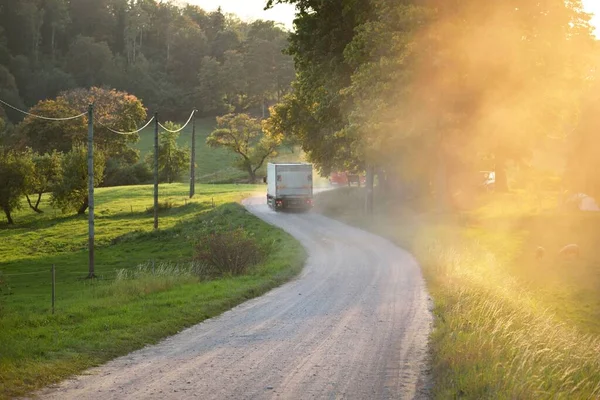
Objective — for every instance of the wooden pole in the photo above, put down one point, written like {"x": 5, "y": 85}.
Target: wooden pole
{"x": 53, "y": 287}
{"x": 91, "y": 266}
{"x": 193, "y": 158}
{"x": 155, "y": 171}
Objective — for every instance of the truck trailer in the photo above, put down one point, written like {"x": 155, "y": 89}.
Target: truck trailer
{"x": 290, "y": 186}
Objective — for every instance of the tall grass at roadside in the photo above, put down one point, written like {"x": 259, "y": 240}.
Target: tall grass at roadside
{"x": 151, "y": 278}
{"x": 495, "y": 340}
{"x": 496, "y": 335}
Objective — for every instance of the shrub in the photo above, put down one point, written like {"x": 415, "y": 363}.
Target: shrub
{"x": 231, "y": 252}
{"x": 162, "y": 206}
{"x": 119, "y": 173}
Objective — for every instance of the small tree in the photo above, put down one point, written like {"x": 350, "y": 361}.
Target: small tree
{"x": 15, "y": 170}
{"x": 172, "y": 160}
{"x": 71, "y": 190}
{"x": 245, "y": 136}
{"x": 46, "y": 174}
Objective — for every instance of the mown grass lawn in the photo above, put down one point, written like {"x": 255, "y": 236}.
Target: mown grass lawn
{"x": 507, "y": 326}
{"x": 97, "y": 320}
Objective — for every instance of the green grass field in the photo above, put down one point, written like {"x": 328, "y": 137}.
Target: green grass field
{"x": 507, "y": 326}
{"x": 97, "y": 320}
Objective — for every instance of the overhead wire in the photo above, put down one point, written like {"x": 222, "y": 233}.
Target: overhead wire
{"x": 126, "y": 133}
{"x": 100, "y": 123}
{"x": 42, "y": 117}
{"x": 180, "y": 129}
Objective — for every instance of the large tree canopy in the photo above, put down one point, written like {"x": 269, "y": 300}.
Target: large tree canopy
{"x": 429, "y": 88}
{"x": 112, "y": 109}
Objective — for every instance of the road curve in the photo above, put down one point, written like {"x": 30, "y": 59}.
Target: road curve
{"x": 353, "y": 325}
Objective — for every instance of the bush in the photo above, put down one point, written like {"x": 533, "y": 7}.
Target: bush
{"x": 162, "y": 206}
{"x": 231, "y": 252}
{"x": 122, "y": 174}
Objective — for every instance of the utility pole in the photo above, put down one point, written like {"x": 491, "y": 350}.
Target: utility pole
{"x": 193, "y": 158}
{"x": 91, "y": 271}
{"x": 155, "y": 170}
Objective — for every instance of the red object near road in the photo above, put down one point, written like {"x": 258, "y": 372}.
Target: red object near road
{"x": 344, "y": 178}
{"x": 338, "y": 178}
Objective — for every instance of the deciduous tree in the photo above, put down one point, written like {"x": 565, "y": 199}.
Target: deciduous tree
{"x": 71, "y": 191}
{"x": 45, "y": 175}
{"x": 90, "y": 62}
{"x": 15, "y": 170}
{"x": 172, "y": 160}
{"x": 246, "y": 137}
{"x": 45, "y": 136}
{"x": 117, "y": 110}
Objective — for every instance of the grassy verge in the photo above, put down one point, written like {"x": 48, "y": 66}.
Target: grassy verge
{"x": 507, "y": 325}
{"x": 129, "y": 306}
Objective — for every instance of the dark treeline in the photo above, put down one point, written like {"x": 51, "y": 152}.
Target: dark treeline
{"x": 173, "y": 58}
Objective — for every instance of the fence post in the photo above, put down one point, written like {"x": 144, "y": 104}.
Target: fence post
{"x": 53, "y": 287}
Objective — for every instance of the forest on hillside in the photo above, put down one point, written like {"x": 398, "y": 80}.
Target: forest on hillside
{"x": 172, "y": 57}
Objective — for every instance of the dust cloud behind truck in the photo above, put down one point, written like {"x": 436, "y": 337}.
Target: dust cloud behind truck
{"x": 290, "y": 186}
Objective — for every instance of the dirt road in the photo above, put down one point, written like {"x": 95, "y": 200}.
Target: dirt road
{"x": 354, "y": 325}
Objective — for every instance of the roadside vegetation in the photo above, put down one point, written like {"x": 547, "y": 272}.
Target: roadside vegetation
{"x": 150, "y": 284}
{"x": 507, "y": 324}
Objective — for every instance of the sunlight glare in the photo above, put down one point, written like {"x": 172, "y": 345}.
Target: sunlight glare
{"x": 593, "y": 7}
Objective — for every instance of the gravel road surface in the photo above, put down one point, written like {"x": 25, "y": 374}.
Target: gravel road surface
{"x": 353, "y": 325}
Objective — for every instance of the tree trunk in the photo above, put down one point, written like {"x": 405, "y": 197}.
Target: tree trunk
{"x": 37, "y": 203}
{"x": 8, "y": 217}
{"x": 36, "y": 207}
{"x": 83, "y": 207}
{"x": 501, "y": 181}
{"x": 251, "y": 174}
{"x": 441, "y": 183}
{"x": 369, "y": 192}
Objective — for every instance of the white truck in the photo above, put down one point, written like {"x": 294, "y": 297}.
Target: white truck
{"x": 289, "y": 186}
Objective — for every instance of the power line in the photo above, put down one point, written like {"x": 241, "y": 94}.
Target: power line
{"x": 127, "y": 133}
{"x": 180, "y": 129}
{"x": 42, "y": 117}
